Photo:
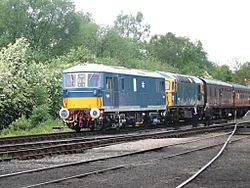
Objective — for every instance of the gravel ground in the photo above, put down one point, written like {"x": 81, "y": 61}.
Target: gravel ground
{"x": 230, "y": 171}
{"x": 162, "y": 173}
{"x": 96, "y": 153}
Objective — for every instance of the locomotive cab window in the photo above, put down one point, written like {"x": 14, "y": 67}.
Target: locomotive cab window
{"x": 81, "y": 81}
{"x": 69, "y": 80}
{"x": 93, "y": 80}
{"x": 108, "y": 83}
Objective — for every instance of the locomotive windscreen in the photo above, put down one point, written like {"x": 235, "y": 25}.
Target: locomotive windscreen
{"x": 81, "y": 80}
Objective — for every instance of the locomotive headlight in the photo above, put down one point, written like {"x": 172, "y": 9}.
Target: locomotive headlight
{"x": 64, "y": 113}
{"x": 95, "y": 113}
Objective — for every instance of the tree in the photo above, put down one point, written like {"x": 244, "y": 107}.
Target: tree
{"x": 13, "y": 21}
{"x": 130, "y": 26}
{"x": 179, "y": 52}
{"x": 88, "y": 34}
{"x": 242, "y": 72}
{"x": 48, "y": 25}
{"x": 114, "y": 46}
{"x": 222, "y": 73}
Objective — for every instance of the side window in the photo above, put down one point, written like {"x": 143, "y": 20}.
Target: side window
{"x": 122, "y": 84}
{"x": 167, "y": 85}
{"x": 108, "y": 83}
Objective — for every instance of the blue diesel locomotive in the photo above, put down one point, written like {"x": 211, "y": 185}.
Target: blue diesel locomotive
{"x": 96, "y": 95}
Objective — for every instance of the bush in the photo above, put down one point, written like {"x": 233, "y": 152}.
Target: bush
{"x": 20, "y": 124}
{"x": 39, "y": 114}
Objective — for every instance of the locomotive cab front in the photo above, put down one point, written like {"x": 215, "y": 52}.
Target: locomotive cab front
{"x": 82, "y": 101}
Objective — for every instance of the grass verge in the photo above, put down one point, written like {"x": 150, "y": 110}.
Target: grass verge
{"x": 42, "y": 128}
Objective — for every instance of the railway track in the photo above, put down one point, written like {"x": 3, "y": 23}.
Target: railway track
{"x": 72, "y": 134}
{"x": 36, "y": 150}
{"x": 69, "y": 175}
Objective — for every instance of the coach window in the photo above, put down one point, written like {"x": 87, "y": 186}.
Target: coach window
{"x": 108, "y": 83}
{"x": 70, "y": 80}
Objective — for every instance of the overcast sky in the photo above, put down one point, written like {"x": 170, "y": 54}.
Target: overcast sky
{"x": 223, "y": 26}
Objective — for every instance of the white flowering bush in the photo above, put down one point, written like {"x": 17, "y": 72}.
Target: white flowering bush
{"x": 25, "y": 84}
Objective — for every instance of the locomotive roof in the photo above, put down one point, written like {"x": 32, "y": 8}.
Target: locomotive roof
{"x": 111, "y": 69}
{"x": 181, "y": 77}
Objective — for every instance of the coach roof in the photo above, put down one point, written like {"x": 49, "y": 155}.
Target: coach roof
{"x": 216, "y": 82}
{"x": 111, "y": 69}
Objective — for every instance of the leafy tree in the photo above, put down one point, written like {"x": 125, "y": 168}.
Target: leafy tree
{"x": 179, "y": 52}
{"x": 222, "y": 73}
{"x": 242, "y": 72}
{"x": 13, "y": 21}
{"x": 130, "y": 26}
{"x": 88, "y": 34}
{"x": 48, "y": 25}
{"x": 114, "y": 46}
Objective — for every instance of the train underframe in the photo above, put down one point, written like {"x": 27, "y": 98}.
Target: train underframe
{"x": 80, "y": 119}
{"x": 181, "y": 114}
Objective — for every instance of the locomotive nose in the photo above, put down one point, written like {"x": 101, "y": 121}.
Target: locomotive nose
{"x": 64, "y": 113}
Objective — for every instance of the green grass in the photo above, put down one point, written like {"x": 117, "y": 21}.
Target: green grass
{"x": 45, "y": 127}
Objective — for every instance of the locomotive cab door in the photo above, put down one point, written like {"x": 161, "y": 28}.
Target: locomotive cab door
{"x": 112, "y": 91}
{"x": 170, "y": 86}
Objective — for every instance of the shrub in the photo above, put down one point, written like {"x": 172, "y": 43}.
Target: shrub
{"x": 39, "y": 114}
{"x": 20, "y": 124}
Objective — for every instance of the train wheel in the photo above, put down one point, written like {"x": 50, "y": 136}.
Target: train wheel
{"x": 99, "y": 126}
{"x": 77, "y": 128}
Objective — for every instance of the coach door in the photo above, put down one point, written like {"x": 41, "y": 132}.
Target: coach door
{"x": 220, "y": 96}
